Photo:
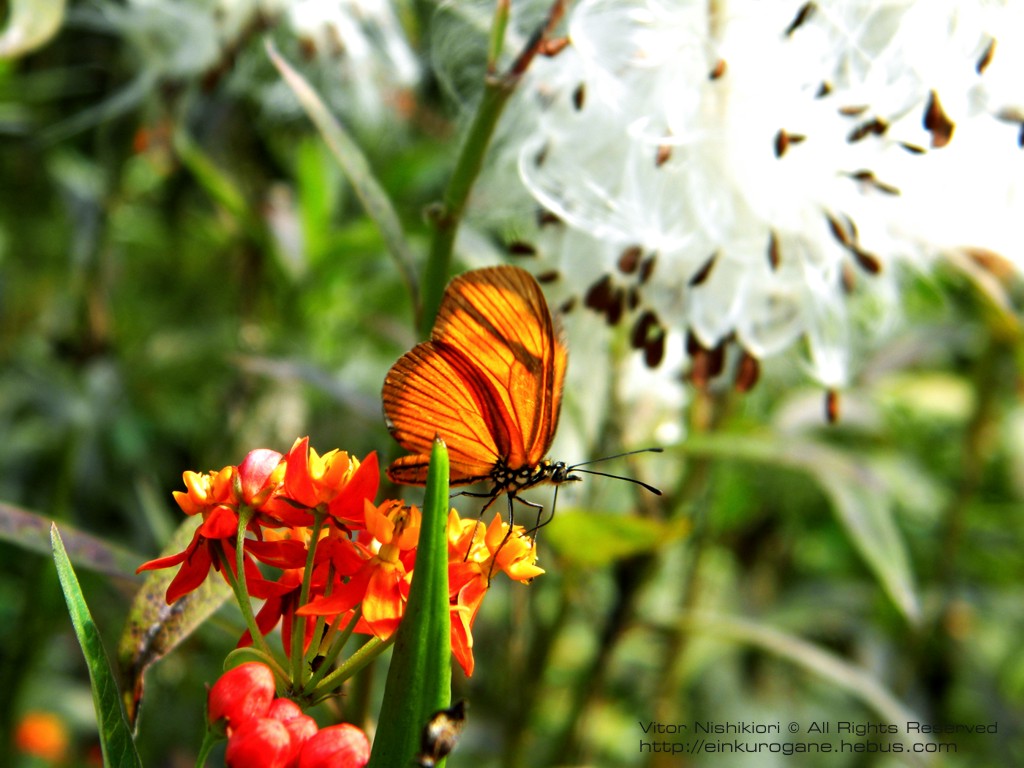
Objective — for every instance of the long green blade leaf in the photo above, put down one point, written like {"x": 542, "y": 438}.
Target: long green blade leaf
{"x": 356, "y": 168}
{"x": 419, "y": 679}
{"x": 30, "y": 531}
{"x": 115, "y": 733}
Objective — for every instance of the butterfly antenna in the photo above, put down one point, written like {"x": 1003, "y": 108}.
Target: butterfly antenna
{"x": 642, "y": 484}
{"x": 616, "y": 456}
{"x": 633, "y": 480}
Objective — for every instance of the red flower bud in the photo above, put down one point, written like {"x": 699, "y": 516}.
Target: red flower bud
{"x": 241, "y": 694}
{"x": 262, "y": 742}
{"x": 284, "y": 710}
{"x": 337, "y": 746}
{"x": 256, "y": 475}
{"x": 300, "y": 727}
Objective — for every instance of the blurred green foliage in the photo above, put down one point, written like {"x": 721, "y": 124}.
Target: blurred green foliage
{"x": 189, "y": 277}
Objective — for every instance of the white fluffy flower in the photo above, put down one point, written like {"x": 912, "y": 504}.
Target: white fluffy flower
{"x": 359, "y": 55}
{"x": 745, "y": 170}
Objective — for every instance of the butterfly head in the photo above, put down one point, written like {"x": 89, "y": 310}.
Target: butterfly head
{"x": 560, "y": 472}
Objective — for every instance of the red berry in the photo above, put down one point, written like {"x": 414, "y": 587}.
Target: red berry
{"x": 337, "y": 746}
{"x": 260, "y": 743}
{"x": 241, "y": 694}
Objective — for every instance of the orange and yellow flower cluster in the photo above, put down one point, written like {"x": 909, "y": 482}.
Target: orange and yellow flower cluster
{"x": 322, "y": 555}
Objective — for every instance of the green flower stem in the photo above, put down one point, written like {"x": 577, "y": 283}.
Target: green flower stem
{"x": 237, "y": 581}
{"x": 497, "y": 91}
{"x": 447, "y": 219}
{"x": 262, "y": 651}
{"x": 373, "y": 648}
{"x": 299, "y": 622}
{"x": 497, "y": 41}
{"x": 209, "y": 740}
{"x": 336, "y": 642}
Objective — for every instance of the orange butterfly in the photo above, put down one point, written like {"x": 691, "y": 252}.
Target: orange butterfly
{"x": 489, "y": 382}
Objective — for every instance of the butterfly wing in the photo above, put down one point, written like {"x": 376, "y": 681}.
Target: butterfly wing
{"x": 489, "y": 381}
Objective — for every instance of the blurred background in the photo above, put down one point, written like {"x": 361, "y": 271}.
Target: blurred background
{"x": 186, "y": 274}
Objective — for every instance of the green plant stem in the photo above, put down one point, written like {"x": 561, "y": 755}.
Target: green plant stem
{"x": 209, "y": 740}
{"x": 237, "y": 581}
{"x": 299, "y": 622}
{"x": 336, "y": 646}
{"x": 373, "y": 648}
{"x": 497, "y": 41}
{"x": 448, "y": 217}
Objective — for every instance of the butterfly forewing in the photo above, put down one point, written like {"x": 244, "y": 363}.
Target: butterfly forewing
{"x": 499, "y": 318}
{"x": 489, "y": 381}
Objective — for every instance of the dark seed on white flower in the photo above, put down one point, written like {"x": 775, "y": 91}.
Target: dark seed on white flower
{"x": 805, "y": 12}
{"x": 748, "y": 371}
{"x": 567, "y": 306}
{"x": 937, "y": 123}
{"x": 874, "y": 127}
{"x": 773, "y": 251}
{"x": 579, "y": 96}
{"x": 546, "y": 217}
{"x": 646, "y": 268}
{"x": 853, "y": 110}
{"x": 629, "y": 259}
{"x": 781, "y": 143}
{"x": 704, "y": 272}
{"x": 784, "y": 139}
{"x": 913, "y": 148}
{"x": 838, "y": 232}
{"x": 654, "y": 350}
{"x": 831, "y": 406}
{"x": 718, "y": 70}
{"x": 823, "y": 90}
{"x": 641, "y": 328}
{"x": 521, "y": 248}
{"x": 986, "y": 57}
{"x": 847, "y": 278}
{"x": 868, "y": 179}
{"x": 599, "y": 295}
{"x": 551, "y": 276}
{"x": 867, "y": 261}
{"x": 662, "y": 155}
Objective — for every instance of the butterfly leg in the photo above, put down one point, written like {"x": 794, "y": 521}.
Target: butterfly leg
{"x": 512, "y": 497}
{"x": 491, "y": 498}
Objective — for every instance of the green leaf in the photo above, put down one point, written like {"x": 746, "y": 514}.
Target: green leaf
{"x": 419, "y": 679}
{"x": 595, "y": 540}
{"x": 216, "y": 182}
{"x": 154, "y": 628}
{"x": 861, "y": 500}
{"x": 31, "y": 531}
{"x": 115, "y": 733}
{"x": 357, "y": 170}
